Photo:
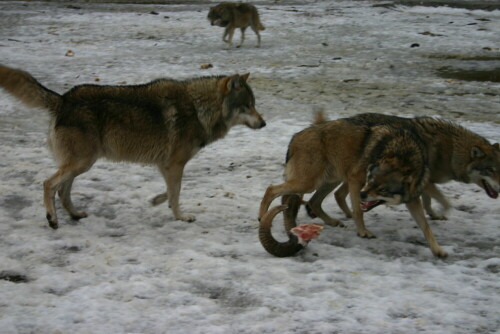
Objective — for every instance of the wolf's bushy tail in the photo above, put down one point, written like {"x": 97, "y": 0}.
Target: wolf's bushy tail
{"x": 256, "y": 20}
{"x": 27, "y": 89}
{"x": 261, "y": 27}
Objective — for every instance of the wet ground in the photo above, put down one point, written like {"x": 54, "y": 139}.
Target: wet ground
{"x": 472, "y": 5}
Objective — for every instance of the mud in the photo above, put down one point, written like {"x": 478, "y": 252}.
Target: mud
{"x": 492, "y": 75}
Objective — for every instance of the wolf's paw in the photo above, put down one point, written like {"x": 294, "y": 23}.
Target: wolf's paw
{"x": 439, "y": 253}
{"x": 186, "y": 218}
{"x": 366, "y": 234}
{"x": 334, "y": 222}
{"x": 438, "y": 217}
{"x": 52, "y": 221}
{"x": 78, "y": 215}
{"x": 158, "y": 199}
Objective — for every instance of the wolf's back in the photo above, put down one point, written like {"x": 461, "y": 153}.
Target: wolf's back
{"x": 27, "y": 89}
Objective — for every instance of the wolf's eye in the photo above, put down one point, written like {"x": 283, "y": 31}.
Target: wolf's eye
{"x": 488, "y": 171}
{"x": 383, "y": 191}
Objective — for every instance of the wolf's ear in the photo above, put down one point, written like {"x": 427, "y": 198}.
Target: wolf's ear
{"x": 234, "y": 83}
{"x": 245, "y": 76}
{"x": 227, "y": 84}
{"x": 476, "y": 153}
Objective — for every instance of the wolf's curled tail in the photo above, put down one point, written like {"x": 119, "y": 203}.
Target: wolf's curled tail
{"x": 27, "y": 89}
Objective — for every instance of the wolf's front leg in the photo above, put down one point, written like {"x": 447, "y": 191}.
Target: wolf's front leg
{"x": 417, "y": 212}
{"x": 229, "y": 33}
{"x": 354, "y": 191}
{"x": 173, "y": 178}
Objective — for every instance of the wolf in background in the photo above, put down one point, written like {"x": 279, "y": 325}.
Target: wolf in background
{"x": 231, "y": 15}
{"x": 164, "y": 123}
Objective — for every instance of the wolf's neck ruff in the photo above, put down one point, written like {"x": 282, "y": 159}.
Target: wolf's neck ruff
{"x": 208, "y": 100}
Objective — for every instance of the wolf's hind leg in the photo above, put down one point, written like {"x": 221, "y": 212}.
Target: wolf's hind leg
{"x": 317, "y": 199}
{"x": 256, "y": 31}
{"x": 242, "y": 37}
{"x": 290, "y": 187}
{"x": 56, "y": 182}
{"x": 431, "y": 191}
{"x": 65, "y": 196}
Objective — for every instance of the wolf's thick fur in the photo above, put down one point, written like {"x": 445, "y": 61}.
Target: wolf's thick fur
{"x": 455, "y": 153}
{"x": 231, "y": 15}
{"x": 163, "y": 122}
{"x": 328, "y": 153}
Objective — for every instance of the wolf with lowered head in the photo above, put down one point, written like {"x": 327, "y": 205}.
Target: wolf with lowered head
{"x": 327, "y": 153}
{"x": 164, "y": 123}
{"x": 455, "y": 153}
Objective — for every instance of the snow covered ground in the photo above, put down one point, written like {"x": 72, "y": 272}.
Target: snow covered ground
{"x": 131, "y": 268}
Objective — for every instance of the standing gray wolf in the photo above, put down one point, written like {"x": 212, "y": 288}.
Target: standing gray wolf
{"x": 328, "y": 153}
{"x": 455, "y": 153}
{"x": 231, "y": 15}
{"x": 164, "y": 123}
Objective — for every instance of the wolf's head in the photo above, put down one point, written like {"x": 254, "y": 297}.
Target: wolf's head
{"x": 385, "y": 183}
{"x": 398, "y": 171}
{"x": 218, "y": 15}
{"x": 484, "y": 168}
{"x": 239, "y": 102}
{"x": 389, "y": 182}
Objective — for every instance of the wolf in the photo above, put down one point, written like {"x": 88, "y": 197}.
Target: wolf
{"x": 455, "y": 153}
{"x": 328, "y": 153}
{"x": 231, "y": 15}
{"x": 164, "y": 122}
